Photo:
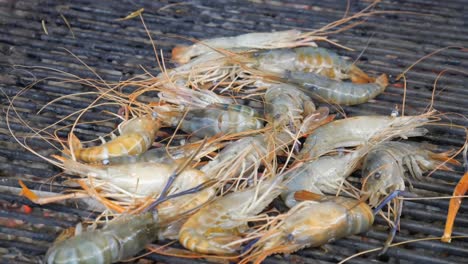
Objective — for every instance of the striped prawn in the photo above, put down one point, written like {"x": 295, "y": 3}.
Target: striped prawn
{"x": 357, "y": 131}
{"x": 313, "y": 222}
{"x": 385, "y": 168}
{"x": 136, "y": 136}
{"x": 215, "y": 119}
{"x": 215, "y": 228}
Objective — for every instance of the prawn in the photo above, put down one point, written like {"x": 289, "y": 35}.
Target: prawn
{"x": 337, "y": 92}
{"x": 359, "y": 130}
{"x": 215, "y": 119}
{"x": 262, "y": 40}
{"x": 312, "y": 223}
{"x": 140, "y": 180}
{"x": 384, "y": 170}
{"x": 120, "y": 239}
{"x": 287, "y": 105}
{"x": 385, "y": 165}
{"x": 242, "y": 158}
{"x": 136, "y": 136}
{"x": 316, "y": 61}
{"x": 324, "y": 175}
{"x": 167, "y": 154}
{"x": 215, "y": 228}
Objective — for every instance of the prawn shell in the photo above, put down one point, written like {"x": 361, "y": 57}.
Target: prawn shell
{"x": 337, "y": 92}
{"x": 210, "y": 229}
{"x": 319, "y": 223}
{"x": 119, "y": 240}
{"x": 331, "y": 221}
{"x": 220, "y": 119}
{"x": 136, "y": 137}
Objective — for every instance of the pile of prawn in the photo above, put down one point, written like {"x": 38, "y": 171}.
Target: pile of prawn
{"x": 250, "y": 123}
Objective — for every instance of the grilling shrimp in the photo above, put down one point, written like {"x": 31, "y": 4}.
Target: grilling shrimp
{"x": 215, "y": 119}
{"x": 262, "y": 40}
{"x": 356, "y": 131}
{"x": 317, "y": 61}
{"x": 324, "y": 175}
{"x": 136, "y": 136}
{"x": 286, "y": 105}
{"x": 120, "y": 239}
{"x": 241, "y": 159}
{"x": 385, "y": 167}
{"x": 337, "y": 92}
{"x": 312, "y": 224}
{"x": 215, "y": 228}
{"x": 140, "y": 180}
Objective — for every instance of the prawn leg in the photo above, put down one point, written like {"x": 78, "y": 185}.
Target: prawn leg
{"x": 30, "y": 195}
{"x": 396, "y": 224}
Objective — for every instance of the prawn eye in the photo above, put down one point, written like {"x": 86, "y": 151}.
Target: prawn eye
{"x": 377, "y": 175}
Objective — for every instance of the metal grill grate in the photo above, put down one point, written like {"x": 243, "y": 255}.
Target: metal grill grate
{"x": 120, "y": 49}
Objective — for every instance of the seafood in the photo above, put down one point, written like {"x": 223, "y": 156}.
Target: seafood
{"x": 136, "y": 136}
{"x": 385, "y": 166}
{"x": 359, "y": 130}
{"x": 177, "y": 93}
{"x": 215, "y": 119}
{"x": 320, "y": 61}
{"x": 215, "y": 226}
{"x": 384, "y": 170}
{"x": 156, "y": 155}
{"x": 242, "y": 158}
{"x": 337, "y": 92}
{"x": 324, "y": 175}
{"x": 140, "y": 180}
{"x": 262, "y": 40}
{"x": 460, "y": 189}
{"x": 286, "y": 105}
{"x": 239, "y": 159}
{"x": 167, "y": 155}
{"x": 312, "y": 224}
{"x": 120, "y": 239}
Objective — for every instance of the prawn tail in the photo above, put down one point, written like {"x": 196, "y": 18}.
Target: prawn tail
{"x": 26, "y": 192}
{"x": 307, "y": 196}
{"x": 460, "y": 189}
{"x": 382, "y": 81}
{"x": 359, "y": 76}
{"x": 179, "y": 54}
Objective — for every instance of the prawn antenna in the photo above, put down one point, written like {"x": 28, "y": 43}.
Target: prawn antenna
{"x": 164, "y": 197}
{"x": 249, "y": 245}
{"x": 195, "y": 189}
{"x": 390, "y": 197}
{"x": 399, "y": 205}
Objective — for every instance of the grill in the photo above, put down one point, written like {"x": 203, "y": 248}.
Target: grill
{"x": 118, "y": 50}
